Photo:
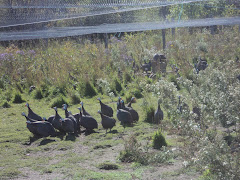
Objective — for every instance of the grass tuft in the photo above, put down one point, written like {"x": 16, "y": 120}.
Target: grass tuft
{"x": 18, "y": 98}
{"x": 158, "y": 140}
{"x": 108, "y": 166}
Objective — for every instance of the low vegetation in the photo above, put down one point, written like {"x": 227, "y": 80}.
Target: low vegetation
{"x": 66, "y": 73}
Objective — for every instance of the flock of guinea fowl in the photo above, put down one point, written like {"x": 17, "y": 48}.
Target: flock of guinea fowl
{"x": 72, "y": 123}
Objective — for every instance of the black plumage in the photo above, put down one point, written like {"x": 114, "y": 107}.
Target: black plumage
{"x": 124, "y": 116}
{"x": 119, "y": 103}
{"x": 33, "y": 115}
{"x": 107, "y": 122}
{"x": 158, "y": 115}
{"x": 67, "y": 125}
{"x": 134, "y": 113}
{"x": 69, "y": 115}
{"x": 84, "y": 112}
{"x": 56, "y": 121}
{"x": 105, "y": 109}
{"x": 88, "y": 122}
{"x": 40, "y": 128}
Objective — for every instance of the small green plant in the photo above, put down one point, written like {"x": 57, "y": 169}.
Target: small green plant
{"x": 58, "y": 102}
{"x": 149, "y": 114}
{"x": 137, "y": 93}
{"x": 158, "y": 140}
{"x": 127, "y": 78}
{"x": 173, "y": 79}
{"x": 18, "y": 98}
{"x": 6, "y": 105}
{"x": 117, "y": 85}
{"x": 75, "y": 99}
{"x": 38, "y": 94}
{"x": 88, "y": 90}
{"x": 108, "y": 166}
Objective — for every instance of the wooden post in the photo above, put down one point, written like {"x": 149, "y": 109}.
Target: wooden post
{"x": 164, "y": 38}
{"x": 106, "y": 40}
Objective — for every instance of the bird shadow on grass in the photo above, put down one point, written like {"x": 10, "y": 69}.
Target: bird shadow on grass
{"x": 70, "y": 137}
{"x": 113, "y": 131}
{"x": 32, "y": 139}
{"x": 46, "y": 141}
{"x": 88, "y": 132}
{"x": 60, "y": 135}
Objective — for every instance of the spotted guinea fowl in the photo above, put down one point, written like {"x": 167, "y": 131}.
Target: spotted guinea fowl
{"x": 124, "y": 116}
{"x": 131, "y": 101}
{"x": 107, "y": 122}
{"x": 40, "y": 128}
{"x": 105, "y": 109}
{"x": 69, "y": 115}
{"x": 56, "y": 121}
{"x": 133, "y": 112}
{"x": 33, "y": 115}
{"x": 88, "y": 122}
{"x": 84, "y": 112}
{"x": 50, "y": 118}
{"x": 67, "y": 125}
{"x": 119, "y": 103}
{"x": 158, "y": 115}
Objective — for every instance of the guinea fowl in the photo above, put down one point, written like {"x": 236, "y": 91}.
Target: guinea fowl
{"x": 105, "y": 109}
{"x": 41, "y": 128}
{"x": 133, "y": 112}
{"x": 124, "y": 116}
{"x": 119, "y": 103}
{"x": 130, "y": 103}
{"x": 158, "y": 115}
{"x": 107, "y": 122}
{"x": 85, "y": 113}
{"x": 56, "y": 121}
{"x": 71, "y": 117}
{"x": 50, "y": 119}
{"x": 88, "y": 122}
{"x": 33, "y": 115}
{"x": 67, "y": 125}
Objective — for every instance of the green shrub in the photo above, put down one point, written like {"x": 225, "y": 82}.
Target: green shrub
{"x": 158, "y": 140}
{"x": 117, "y": 85}
{"x": 87, "y": 89}
{"x": 137, "y": 93}
{"x": 149, "y": 114}
{"x": 6, "y": 105}
{"x": 38, "y": 94}
{"x": 58, "y": 102}
{"x": 133, "y": 152}
{"x": 127, "y": 78}
{"x": 108, "y": 166}
{"x": 55, "y": 91}
{"x": 75, "y": 99}
{"x": 173, "y": 79}
{"x": 18, "y": 98}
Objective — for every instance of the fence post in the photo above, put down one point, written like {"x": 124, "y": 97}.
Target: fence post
{"x": 106, "y": 40}
{"x": 164, "y": 38}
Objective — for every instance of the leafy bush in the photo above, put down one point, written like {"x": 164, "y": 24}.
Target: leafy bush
{"x": 137, "y": 93}
{"x": 38, "y": 94}
{"x": 158, "y": 140}
{"x": 108, "y": 166}
{"x": 6, "y": 105}
{"x": 135, "y": 152}
{"x": 75, "y": 99}
{"x": 18, "y": 98}
{"x": 173, "y": 79}
{"x": 117, "y": 85}
{"x": 127, "y": 78}
{"x": 87, "y": 89}
{"x": 58, "y": 101}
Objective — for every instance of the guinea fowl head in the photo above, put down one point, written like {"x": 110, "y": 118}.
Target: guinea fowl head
{"x": 55, "y": 108}
{"x": 99, "y": 112}
{"x": 28, "y": 122}
{"x": 99, "y": 99}
{"x": 64, "y": 107}
{"x": 27, "y": 105}
{"x": 61, "y": 119}
{"x": 23, "y": 114}
{"x": 44, "y": 119}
